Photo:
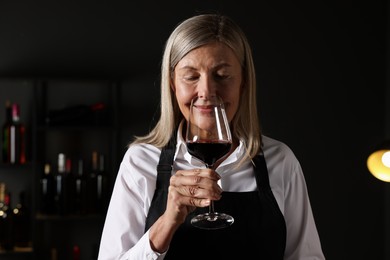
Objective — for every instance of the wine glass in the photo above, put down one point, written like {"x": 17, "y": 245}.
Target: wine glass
{"x": 209, "y": 138}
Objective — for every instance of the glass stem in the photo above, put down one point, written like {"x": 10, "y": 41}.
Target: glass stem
{"x": 211, "y": 207}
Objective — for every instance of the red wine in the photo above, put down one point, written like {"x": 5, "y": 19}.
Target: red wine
{"x": 208, "y": 152}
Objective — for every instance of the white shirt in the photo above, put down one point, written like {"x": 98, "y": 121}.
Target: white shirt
{"x": 123, "y": 234}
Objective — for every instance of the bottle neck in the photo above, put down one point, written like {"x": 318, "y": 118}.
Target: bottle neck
{"x": 101, "y": 163}
{"x": 8, "y": 112}
{"x": 47, "y": 169}
{"x": 15, "y": 113}
{"x": 68, "y": 166}
{"x": 2, "y": 192}
{"x": 80, "y": 168}
{"x": 61, "y": 163}
{"x": 7, "y": 200}
{"x": 94, "y": 161}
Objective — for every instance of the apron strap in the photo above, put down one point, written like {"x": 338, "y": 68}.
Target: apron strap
{"x": 266, "y": 194}
{"x": 260, "y": 166}
{"x": 164, "y": 172}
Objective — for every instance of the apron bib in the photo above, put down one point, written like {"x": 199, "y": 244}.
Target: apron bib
{"x": 258, "y": 231}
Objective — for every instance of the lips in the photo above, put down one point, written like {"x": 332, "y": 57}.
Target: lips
{"x": 204, "y": 109}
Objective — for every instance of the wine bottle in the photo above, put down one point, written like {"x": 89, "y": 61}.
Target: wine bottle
{"x": 80, "y": 190}
{"x": 5, "y": 134}
{"x": 6, "y": 225}
{"x": 102, "y": 187}
{"x": 3, "y": 216}
{"x": 17, "y": 151}
{"x": 21, "y": 223}
{"x": 92, "y": 184}
{"x": 68, "y": 187}
{"x": 59, "y": 194}
{"x": 47, "y": 191}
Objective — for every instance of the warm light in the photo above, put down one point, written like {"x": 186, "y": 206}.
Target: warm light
{"x": 386, "y": 159}
{"x": 378, "y": 164}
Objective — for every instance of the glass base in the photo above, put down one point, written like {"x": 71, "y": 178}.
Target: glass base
{"x": 212, "y": 220}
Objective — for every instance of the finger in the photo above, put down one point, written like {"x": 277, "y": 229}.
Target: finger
{"x": 206, "y": 173}
{"x": 179, "y": 199}
{"x": 194, "y": 182}
{"x": 199, "y": 193}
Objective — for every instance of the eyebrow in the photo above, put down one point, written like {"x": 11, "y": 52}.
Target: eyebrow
{"x": 218, "y": 66}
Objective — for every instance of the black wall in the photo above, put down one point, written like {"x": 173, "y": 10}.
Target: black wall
{"x": 322, "y": 85}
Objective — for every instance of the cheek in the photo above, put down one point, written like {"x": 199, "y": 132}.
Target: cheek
{"x": 183, "y": 98}
{"x": 231, "y": 111}
{"x": 233, "y": 104}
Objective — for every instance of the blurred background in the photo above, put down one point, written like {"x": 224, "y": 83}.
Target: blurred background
{"x": 323, "y": 89}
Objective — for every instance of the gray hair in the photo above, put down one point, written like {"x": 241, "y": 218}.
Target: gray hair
{"x": 190, "y": 34}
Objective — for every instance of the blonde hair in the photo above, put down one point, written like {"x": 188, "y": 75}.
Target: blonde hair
{"x": 191, "y": 34}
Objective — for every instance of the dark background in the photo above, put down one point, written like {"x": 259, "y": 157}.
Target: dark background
{"x": 322, "y": 85}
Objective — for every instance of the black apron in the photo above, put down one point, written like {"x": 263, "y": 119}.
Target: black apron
{"x": 258, "y": 231}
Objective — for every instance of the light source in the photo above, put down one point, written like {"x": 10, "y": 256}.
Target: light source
{"x": 378, "y": 162}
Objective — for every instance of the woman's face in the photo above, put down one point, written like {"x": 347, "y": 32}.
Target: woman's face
{"x": 212, "y": 69}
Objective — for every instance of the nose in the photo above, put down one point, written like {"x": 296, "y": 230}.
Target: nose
{"x": 206, "y": 88}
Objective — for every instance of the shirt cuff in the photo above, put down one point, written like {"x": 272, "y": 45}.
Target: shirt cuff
{"x": 150, "y": 253}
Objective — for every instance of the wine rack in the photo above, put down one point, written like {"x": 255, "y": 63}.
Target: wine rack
{"x": 53, "y": 111}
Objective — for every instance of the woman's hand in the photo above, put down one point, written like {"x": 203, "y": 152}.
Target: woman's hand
{"x": 188, "y": 189}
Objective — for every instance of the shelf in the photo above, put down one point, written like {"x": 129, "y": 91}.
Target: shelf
{"x": 74, "y": 133}
{"x": 17, "y": 251}
{"x": 77, "y": 133}
{"x": 10, "y": 166}
{"x": 43, "y": 217}
{"x": 72, "y": 128}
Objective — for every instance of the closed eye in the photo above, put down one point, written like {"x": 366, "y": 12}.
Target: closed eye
{"x": 222, "y": 77}
{"x": 191, "y": 78}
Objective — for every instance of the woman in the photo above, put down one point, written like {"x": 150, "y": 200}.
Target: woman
{"x": 160, "y": 185}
